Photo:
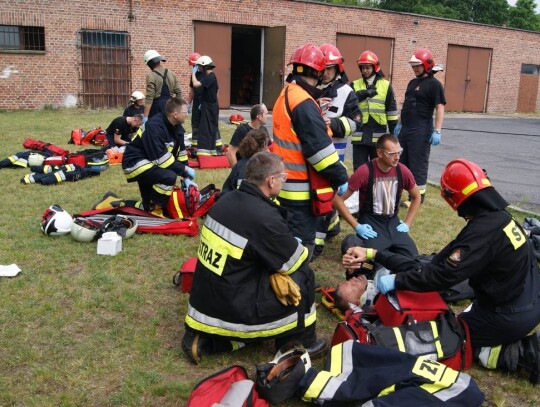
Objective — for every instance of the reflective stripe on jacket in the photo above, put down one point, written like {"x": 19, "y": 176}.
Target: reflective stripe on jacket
{"x": 299, "y": 143}
{"x": 231, "y": 294}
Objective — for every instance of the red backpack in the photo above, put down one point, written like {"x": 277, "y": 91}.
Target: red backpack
{"x": 226, "y": 387}
{"x": 424, "y": 328}
{"x": 191, "y": 202}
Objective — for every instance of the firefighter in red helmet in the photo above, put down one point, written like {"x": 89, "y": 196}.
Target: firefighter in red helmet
{"x": 341, "y": 113}
{"x": 301, "y": 138}
{"x": 493, "y": 252}
{"x": 417, "y": 131}
{"x": 377, "y": 104}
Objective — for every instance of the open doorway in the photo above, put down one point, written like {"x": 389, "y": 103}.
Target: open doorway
{"x": 246, "y": 65}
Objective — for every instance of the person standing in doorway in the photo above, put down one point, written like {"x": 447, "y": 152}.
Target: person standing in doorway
{"x": 194, "y": 104}
{"x": 208, "y": 127}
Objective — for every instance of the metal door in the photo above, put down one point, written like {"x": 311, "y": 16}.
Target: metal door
{"x": 215, "y": 40}
{"x": 467, "y": 77}
{"x": 105, "y": 71}
{"x": 351, "y": 46}
{"x": 273, "y": 64}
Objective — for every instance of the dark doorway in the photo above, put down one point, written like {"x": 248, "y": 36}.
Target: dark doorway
{"x": 246, "y": 65}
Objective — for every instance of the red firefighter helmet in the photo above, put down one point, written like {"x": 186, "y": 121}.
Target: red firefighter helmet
{"x": 422, "y": 56}
{"x": 332, "y": 56}
{"x": 193, "y": 58}
{"x": 460, "y": 179}
{"x": 309, "y": 55}
{"x": 369, "y": 58}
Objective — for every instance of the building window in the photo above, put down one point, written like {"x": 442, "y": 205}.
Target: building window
{"x": 106, "y": 39}
{"x": 22, "y": 38}
{"x": 530, "y": 69}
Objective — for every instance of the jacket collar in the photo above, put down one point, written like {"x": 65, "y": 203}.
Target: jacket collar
{"x": 253, "y": 190}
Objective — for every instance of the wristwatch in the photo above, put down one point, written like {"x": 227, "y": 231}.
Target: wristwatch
{"x": 437, "y": 131}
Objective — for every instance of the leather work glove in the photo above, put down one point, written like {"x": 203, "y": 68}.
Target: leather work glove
{"x": 361, "y": 95}
{"x": 402, "y": 227}
{"x": 286, "y": 290}
{"x": 386, "y": 283}
{"x": 342, "y": 189}
{"x": 189, "y": 172}
{"x": 195, "y": 68}
{"x": 365, "y": 231}
{"x": 371, "y": 92}
{"x": 435, "y": 138}
{"x": 397, "y": 129}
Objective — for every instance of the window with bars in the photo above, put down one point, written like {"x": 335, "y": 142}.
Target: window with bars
{"x": 22, "y": 38}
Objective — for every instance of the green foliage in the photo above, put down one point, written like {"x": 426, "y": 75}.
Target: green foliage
{"x": 78, "y": 329}
{"x": 523, "y": 16}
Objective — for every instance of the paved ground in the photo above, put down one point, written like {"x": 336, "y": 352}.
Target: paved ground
{"x": 508, "y": 147}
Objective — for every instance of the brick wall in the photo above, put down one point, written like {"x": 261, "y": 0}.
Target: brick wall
{"x": 32, "y": 80}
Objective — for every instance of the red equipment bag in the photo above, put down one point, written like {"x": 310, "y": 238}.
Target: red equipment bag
{"x": 95, "y": 136}
{"x": 190, "y": 202}
{"x": 396, "y": 307}
{"x": 147, "y": 223}
{"x": 76, "y": 137}
{"x": 322, "y": 194}
{"x": 75, "y": 158}
{"x": 42, "y": 146}
{"x": 226, "y": 387}
{"x": 55, "y": 160}
{"x": 444, "y": 337}
{"x": 213, "y": 161}
{"x": 184, "y": 277}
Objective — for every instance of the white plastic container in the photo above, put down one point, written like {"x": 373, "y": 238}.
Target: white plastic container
{"x": 110, "y": 244}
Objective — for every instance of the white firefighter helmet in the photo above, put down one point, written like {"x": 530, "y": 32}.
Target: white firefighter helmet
{"x": 84, "y": 230}
{"x": 137, "y": 95}
{"x": 152, "y": 56}
{"x": 56, "y": 221}
{"x": 205, "y": 60}
{"x": 35, "y": 159}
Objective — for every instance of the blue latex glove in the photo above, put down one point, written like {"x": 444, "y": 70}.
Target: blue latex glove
{"x": 342, "y": 189}
{"x": 402, "y": 227}
{"x": 195, "y": 69}
{"x": 365, "y": 231}
{"x": 188, "y": 107}
{"x": 190, "y": 172}
{"x": 397, "y": 129}
{"x": 435, "y": 138}
{"x": 144, "y": 119}
{"x": 188, "y": 182}
{"x": 386, "y": 283}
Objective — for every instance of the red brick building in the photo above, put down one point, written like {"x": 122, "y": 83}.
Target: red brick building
{"x": 91, "y": 52}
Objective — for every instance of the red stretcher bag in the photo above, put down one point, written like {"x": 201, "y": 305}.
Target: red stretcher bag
{"x": 397, "y": 307}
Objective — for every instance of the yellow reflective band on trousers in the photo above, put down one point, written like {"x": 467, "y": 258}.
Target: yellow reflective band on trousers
{"x": 489, "y": 356}
{"x": 139, "y": 167}
{"x": 163, "y": 189}
{"x": 215, "y": 326}
{"x": 295, "y": 191}
{"x": 320, "y": 383}
{"x": 217, "y": 243}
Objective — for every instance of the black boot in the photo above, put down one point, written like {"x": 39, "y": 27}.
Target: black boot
{"x": 530, "y": 356}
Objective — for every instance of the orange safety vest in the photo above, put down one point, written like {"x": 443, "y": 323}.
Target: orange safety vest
{"x": 287, "y": 145}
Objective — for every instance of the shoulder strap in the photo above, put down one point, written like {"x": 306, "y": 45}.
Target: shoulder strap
{"x": 399, "y": 188}
{"x": 368, "y": 203}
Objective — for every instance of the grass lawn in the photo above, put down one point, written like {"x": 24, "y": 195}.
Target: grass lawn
{"x": 78, "y": 329}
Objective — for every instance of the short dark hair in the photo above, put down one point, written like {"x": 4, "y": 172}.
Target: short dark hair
{"x": 255, "y": 140}
{"x": 383, "y": 139}
{"x": 262, "y": 165}
{"x": 173, "y": 104}
{"x": 340, "y": 302}
{"x": 139, "y": 116}
{"x": 256, "y": 110}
